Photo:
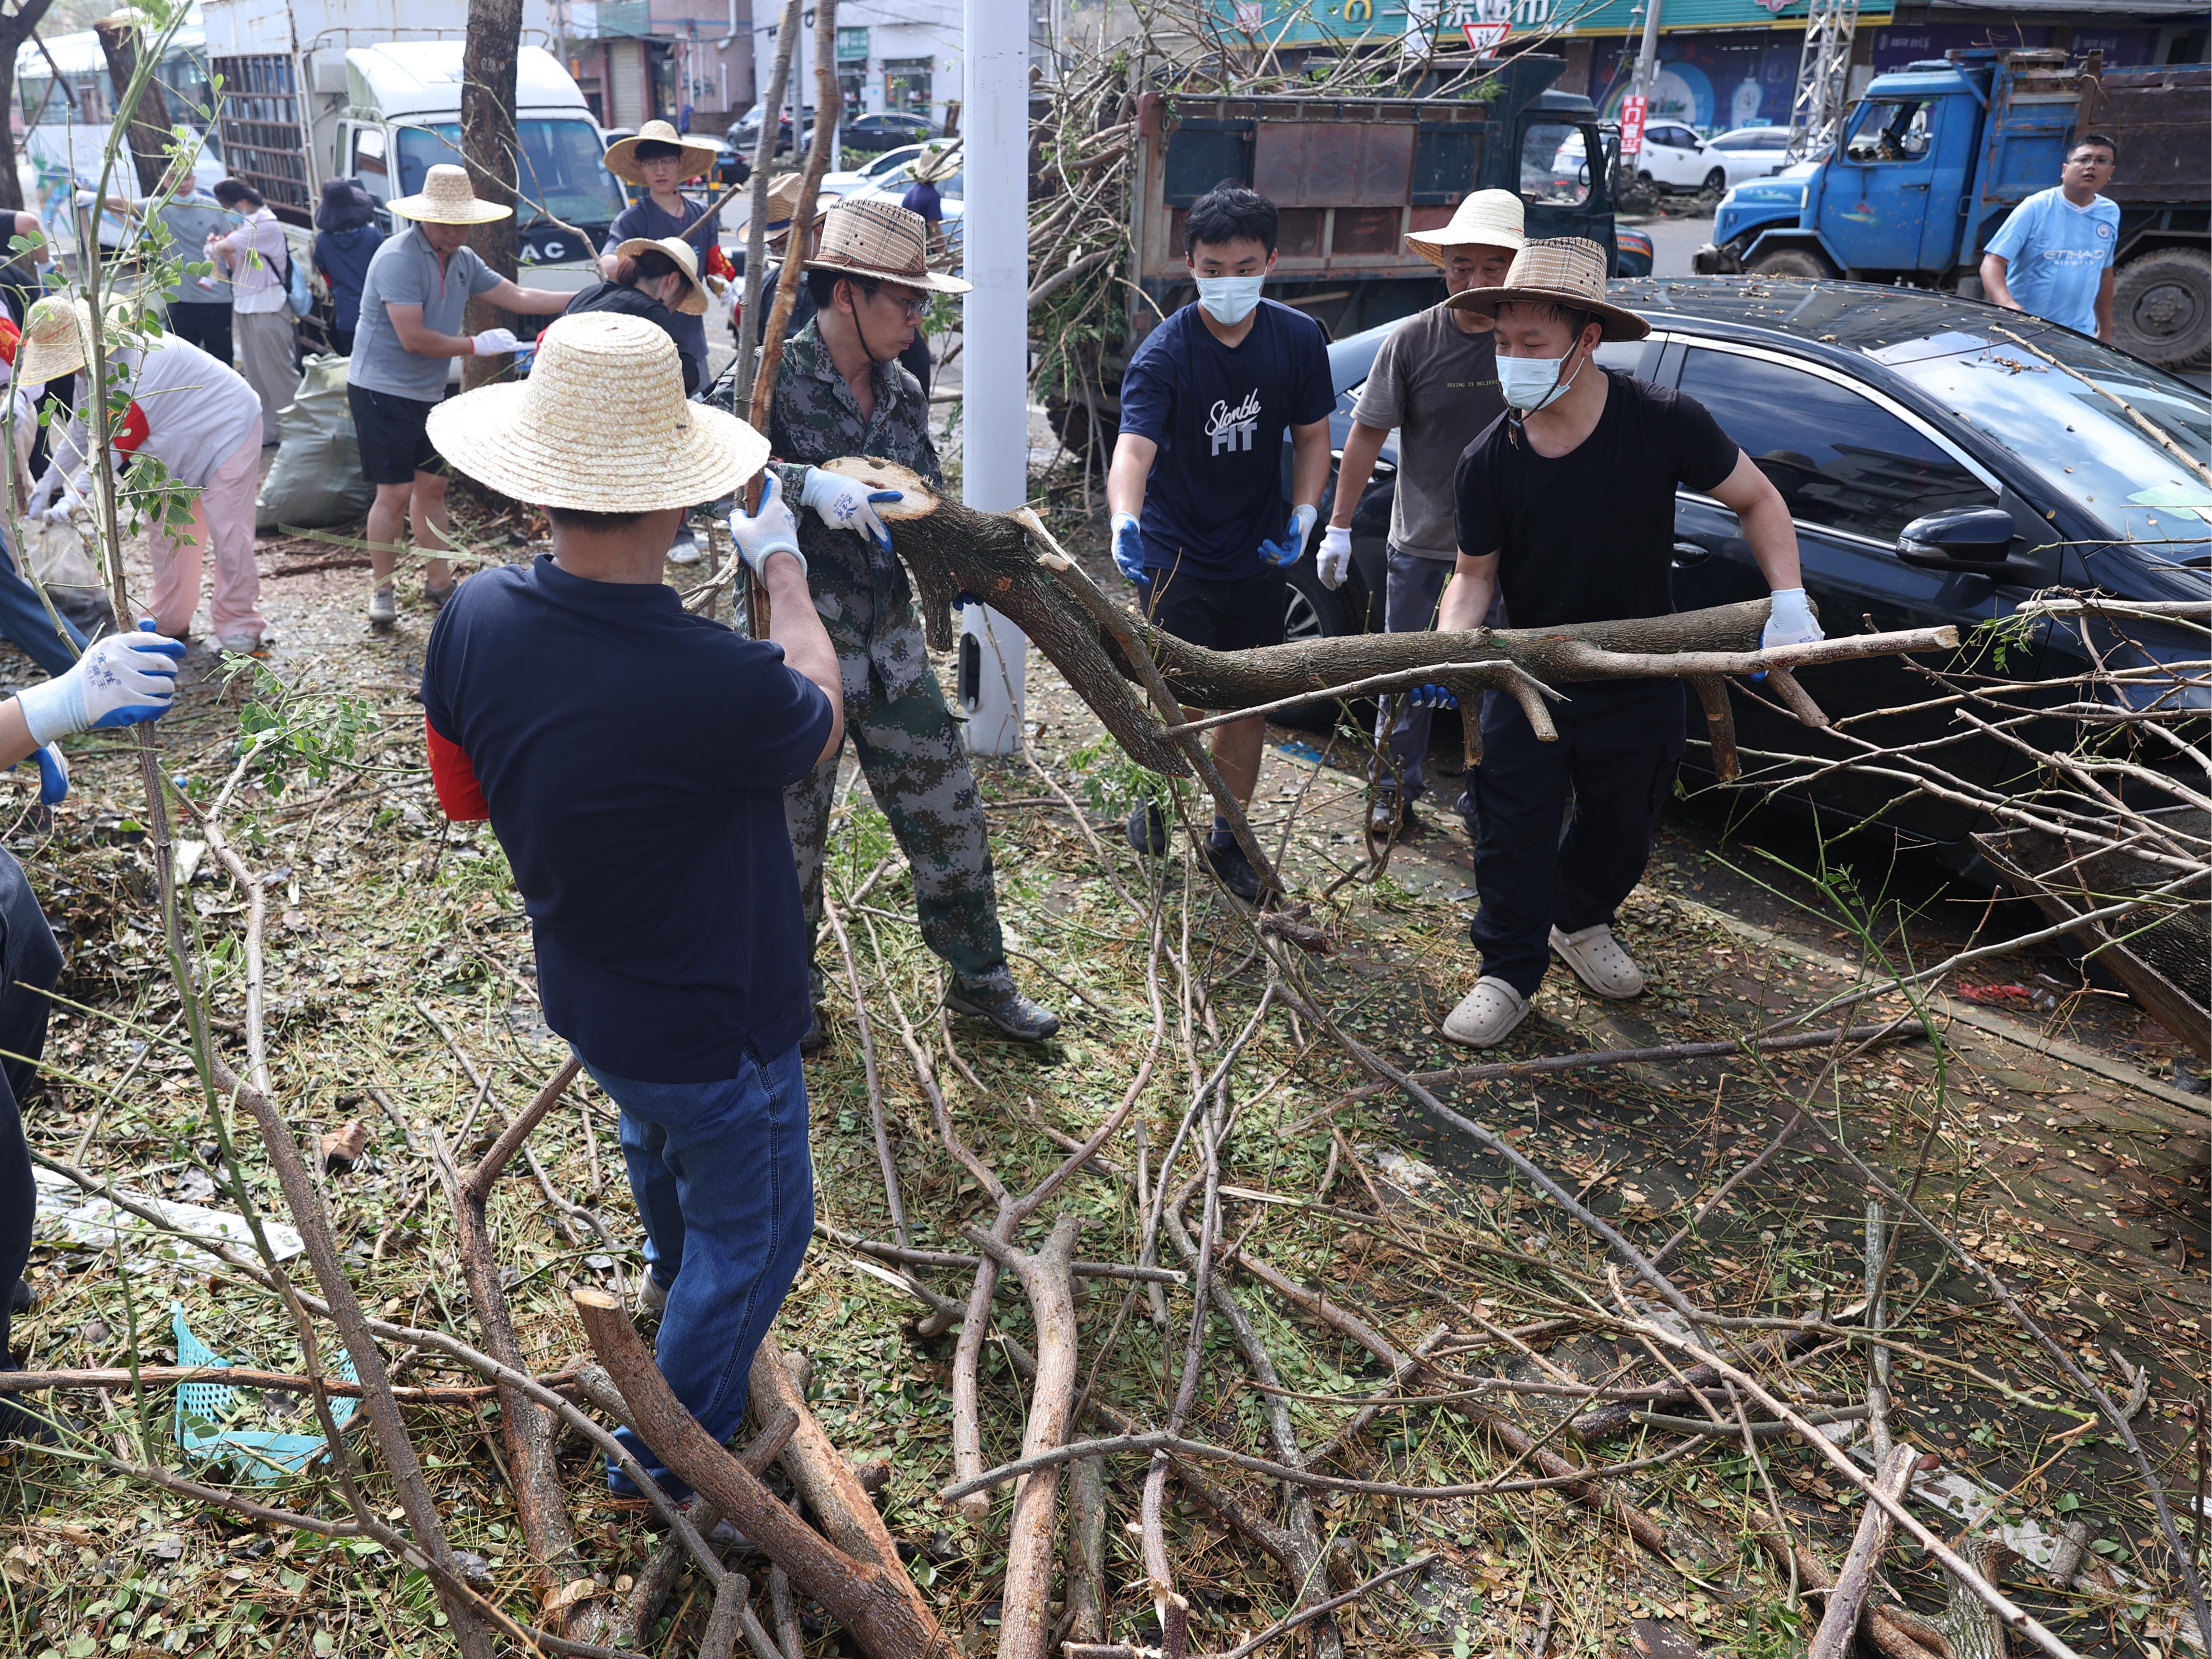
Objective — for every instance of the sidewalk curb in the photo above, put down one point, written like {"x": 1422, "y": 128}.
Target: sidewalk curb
{"x": 2199, "y": 1109}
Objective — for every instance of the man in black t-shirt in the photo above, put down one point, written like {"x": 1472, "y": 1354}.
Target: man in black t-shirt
{"x": 1196, "y": 484}
{"x": 1566, "y": 505}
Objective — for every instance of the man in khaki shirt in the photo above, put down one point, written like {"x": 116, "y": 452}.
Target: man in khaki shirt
{"x": 1435, "y": 383}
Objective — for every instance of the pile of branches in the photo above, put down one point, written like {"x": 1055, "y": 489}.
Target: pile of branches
{"x": 2095, "y": 786}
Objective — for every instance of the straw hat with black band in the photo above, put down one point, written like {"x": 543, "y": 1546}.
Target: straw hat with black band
{"x": 447, "y": 198}
{"x": 692, "y": 301}
{"x": 934, "y": 163}
{"x": 1567, "y": 272}
{"x": 601, "y": 425}
{"x": 57, "y": 337}
{"x": 1486, "y": 218}
{"x": 783, "y": 202}
{"x": 882, "y": 241}
{"x": 696, "y": 159}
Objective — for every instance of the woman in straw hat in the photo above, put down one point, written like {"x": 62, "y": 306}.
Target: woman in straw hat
{"x": 196, "y": 416}
{"x": 1566, "y": 507}
{"x": 840, "y": 391}
{"x": 659, "y": 282}
{"x": 632, "y": 757}
{"x": 412, "y": 300}
{"x": 661, "y": 160}
{"x": 1435, "y": 383}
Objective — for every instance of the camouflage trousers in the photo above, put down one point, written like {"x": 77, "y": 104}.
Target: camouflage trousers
{"x": 911, "y": 754}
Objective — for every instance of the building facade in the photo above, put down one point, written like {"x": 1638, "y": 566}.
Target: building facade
{"x": 903, "y": 57}
{"x": 688, "y": 61}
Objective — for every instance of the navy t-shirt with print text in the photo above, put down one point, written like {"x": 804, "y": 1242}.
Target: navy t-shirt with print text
{"x": 633, "y": 758}
{"x": 1218, "y": 414}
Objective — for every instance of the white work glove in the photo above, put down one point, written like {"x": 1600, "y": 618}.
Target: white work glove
{"x": 845, "y": 503}
{"x": 494, "y": 341}
{"x": 1128, "y": 546}
{"x": 1334, "y": 560}
{"x": 121, "y": 680}
{"x": 771, "y": 530}
{"x": 1789, "y": 621}
{"x": 1286, "y": 551}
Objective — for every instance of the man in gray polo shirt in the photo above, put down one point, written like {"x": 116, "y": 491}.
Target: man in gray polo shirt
{"x": 1434, "y": 383}
{"x": 411, "y": 300}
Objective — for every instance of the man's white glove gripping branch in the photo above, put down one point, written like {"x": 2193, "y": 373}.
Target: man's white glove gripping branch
{"x": 845, "y": 503}
{"x": 771, "y": 530}
{"x": 1789, "y": 621}
{"x": 121, "y": 680}
{"x": 1333, "y": 562}
{"x": 495, "y": 341}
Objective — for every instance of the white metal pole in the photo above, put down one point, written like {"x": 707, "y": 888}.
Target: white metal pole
{"x": 994, "y": 332}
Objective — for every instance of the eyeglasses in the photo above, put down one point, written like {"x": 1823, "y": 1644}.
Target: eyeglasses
{"x": 913, "y": 310}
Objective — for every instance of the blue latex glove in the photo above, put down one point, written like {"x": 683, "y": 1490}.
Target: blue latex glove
{"x": 1128, "y": 546}
{"x": 1431, "y": 696}
{"x": 121, "y": 680}
{"x": 53, "y": 775}
{"x": 1286, "y": 551}
{"x": 964, "y": 599}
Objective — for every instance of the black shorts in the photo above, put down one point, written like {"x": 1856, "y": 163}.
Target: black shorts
{"x": 1233, "y": 614}
{"x": 394, "y": 435}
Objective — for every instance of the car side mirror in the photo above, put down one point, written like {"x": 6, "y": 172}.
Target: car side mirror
{"x": 1978, "y": 538}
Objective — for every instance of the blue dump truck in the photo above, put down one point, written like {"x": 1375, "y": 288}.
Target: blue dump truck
{"x": 1932, "y": 157}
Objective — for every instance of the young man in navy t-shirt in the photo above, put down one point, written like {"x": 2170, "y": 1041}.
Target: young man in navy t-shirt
{"x": 1196, "y": 484}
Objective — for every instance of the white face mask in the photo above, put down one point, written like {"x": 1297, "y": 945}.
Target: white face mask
{"x": 1533, "y": 383}
{"x": 1230, "y": 299}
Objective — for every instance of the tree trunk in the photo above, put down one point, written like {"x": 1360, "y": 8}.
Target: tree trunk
{"x": 16, "y": 29}
{"x": 149, "y": 132}
{"x": 952, "y": 549}
{"x": 490, "y": 146}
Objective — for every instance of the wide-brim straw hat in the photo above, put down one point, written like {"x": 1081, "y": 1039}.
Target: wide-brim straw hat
{"x": 783, "y": 202}
{"x": 1486, "y": 218}
{"x": 938, "y": 161}
{"x": 622, "y": 155}
{"x": 447, "y": 198}
{"x": 57, "y": 339}
{"x": 1564, "y": 271}
{"x": 884, "y": 240}
{"x": 692, "y": 302}
{"x": 601, "y": 425}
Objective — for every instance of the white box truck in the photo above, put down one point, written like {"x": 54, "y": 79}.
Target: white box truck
{"x": 372, "y": 89}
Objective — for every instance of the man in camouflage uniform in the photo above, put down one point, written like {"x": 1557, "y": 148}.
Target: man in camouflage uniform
{"x": 840, "y": 391}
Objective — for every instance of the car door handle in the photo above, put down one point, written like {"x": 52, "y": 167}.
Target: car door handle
{"x": 1689, "y": 553}
{"x": 1906, "y": 184}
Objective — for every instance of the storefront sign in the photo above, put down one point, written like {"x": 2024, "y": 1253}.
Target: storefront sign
{"x": 1632, "y": 123}
{"x": 851, "y": 44}
{"x": 1442, "y": 25}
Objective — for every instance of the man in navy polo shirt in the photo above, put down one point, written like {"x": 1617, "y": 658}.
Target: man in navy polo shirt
{"x": 1196, "y": 484}
{"x": 632, "y": 758}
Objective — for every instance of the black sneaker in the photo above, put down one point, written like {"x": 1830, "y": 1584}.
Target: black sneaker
{"x": 23, "y": 1299}
{"x": 1235, "y": 869}
{"x": 1148, "y": 829}
{"x": 993, "y": 999}
{"x": 1388, "y": 815}
{"x": 22, "y": 1422}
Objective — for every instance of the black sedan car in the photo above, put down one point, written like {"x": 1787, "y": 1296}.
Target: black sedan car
{"x": 885, "y": 130}
{"x": 1937, "y": 472}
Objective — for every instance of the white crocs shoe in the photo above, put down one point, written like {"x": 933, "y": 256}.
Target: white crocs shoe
{"x": 1599, "y": 961}
{"x": 1487, "y": 1014}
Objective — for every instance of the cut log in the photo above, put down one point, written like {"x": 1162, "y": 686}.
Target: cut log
{"x": 951, "y": 549}
{"x": 879, "y": 1607}
{"x": 821, "y": 1475}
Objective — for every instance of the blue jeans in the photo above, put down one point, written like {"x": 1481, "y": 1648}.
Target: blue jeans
{"x": 24, "y": 620}
{"x": 725, "y": 1189}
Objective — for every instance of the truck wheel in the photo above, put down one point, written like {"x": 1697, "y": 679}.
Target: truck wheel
{"x": 1790, "y": 262}
{"x": 2162, "y": 307}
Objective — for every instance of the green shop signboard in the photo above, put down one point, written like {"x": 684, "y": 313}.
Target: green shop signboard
{"x": 1292, "y": 22}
